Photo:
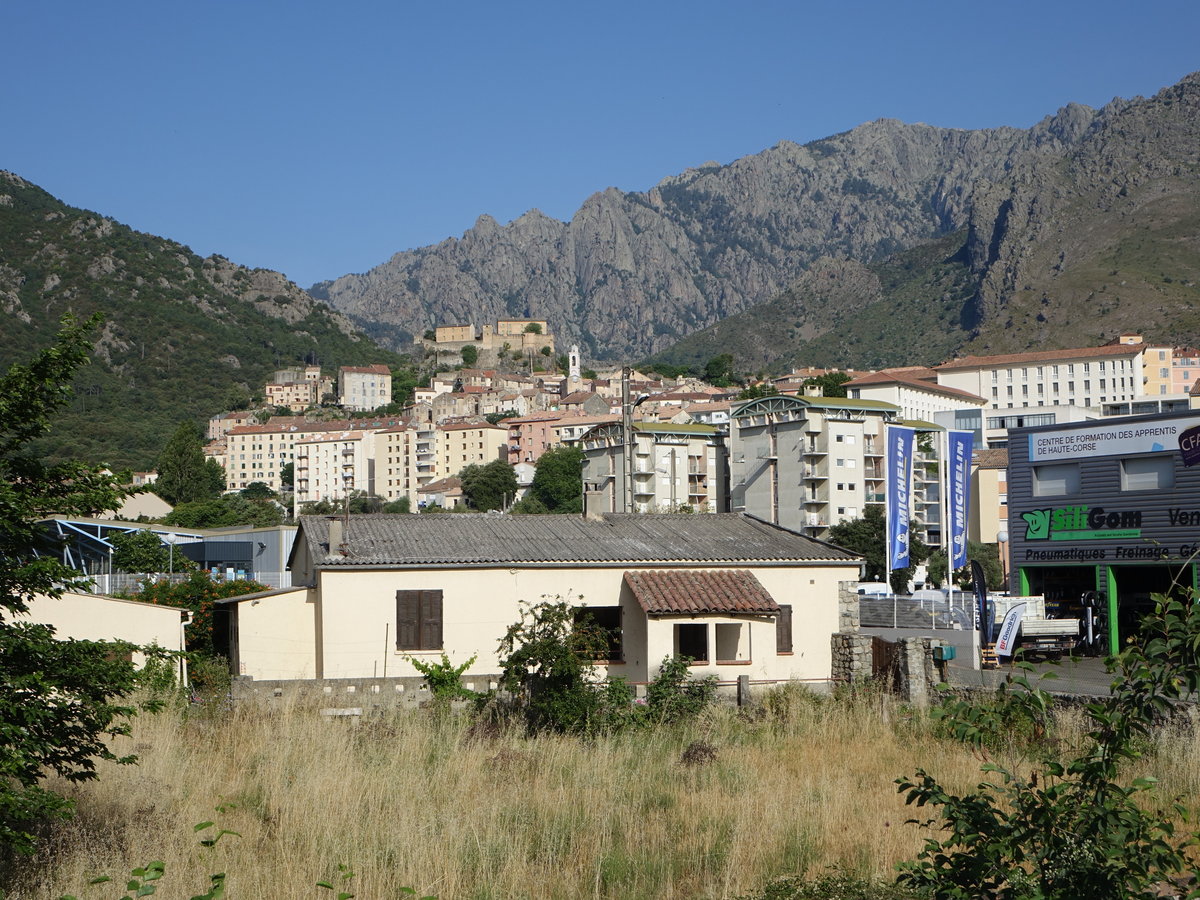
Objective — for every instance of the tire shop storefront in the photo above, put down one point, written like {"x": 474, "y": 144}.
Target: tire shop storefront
{"x": 1105, "y": 514}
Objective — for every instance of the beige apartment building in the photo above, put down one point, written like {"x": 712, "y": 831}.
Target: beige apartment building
{"x": 259, "y": 452}
{"x": 410, "y": 458}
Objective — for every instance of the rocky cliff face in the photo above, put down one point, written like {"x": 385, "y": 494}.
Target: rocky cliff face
{"x": 633, "y": 272}
{"x": 1104, "y": 239}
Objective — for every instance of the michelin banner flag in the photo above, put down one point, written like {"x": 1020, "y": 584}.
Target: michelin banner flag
{"x": 960, "y": 443}
{"x": 898, "y": 481}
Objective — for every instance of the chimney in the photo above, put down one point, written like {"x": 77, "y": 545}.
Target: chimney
{"x": 337, "y": 540}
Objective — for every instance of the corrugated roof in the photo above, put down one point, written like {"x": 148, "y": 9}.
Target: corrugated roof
{"x": 666, "y": 592}
{"x": 490, "y": 539}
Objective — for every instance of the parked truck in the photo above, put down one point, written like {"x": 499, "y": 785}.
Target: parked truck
{"x": 1038, "y": 635}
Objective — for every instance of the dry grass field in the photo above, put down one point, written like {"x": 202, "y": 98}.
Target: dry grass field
{"x": 415, "y": 799}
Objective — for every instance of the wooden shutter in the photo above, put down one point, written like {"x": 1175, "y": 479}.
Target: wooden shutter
{"x": 431, "y": 620}
{"x": 408, "y": 620}
{"x": 783, "y": 629}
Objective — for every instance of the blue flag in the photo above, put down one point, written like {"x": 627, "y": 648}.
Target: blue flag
{"x": 898, "y": 481}
{"x": 960, "y": 443}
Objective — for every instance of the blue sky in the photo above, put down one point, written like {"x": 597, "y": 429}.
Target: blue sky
{"x": 320, "y": 138}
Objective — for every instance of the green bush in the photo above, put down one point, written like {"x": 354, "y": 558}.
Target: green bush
{"x": 673, "y": 696}
{"x": 1065, "y": 823}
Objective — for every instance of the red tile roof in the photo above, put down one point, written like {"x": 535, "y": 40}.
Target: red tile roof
{"x": 688, "y": 592}
{"x": 984, "y": 362}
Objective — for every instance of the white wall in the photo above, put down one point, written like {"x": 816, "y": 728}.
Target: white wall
{"x": 357, "y": 618}
{"x": 276, "y": 636}
{"x": 94, "y": 617}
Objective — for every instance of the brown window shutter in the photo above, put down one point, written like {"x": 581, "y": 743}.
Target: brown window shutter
{"x": 783, "y": 629}
{"x": 408, "y": 618}
{"x": 431, "y": 620}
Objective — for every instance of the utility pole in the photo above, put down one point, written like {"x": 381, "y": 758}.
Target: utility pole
{"x": 627, "y": 433}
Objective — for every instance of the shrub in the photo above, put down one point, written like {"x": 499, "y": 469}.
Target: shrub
{"x": 674, "y": 696}
{"x": 1076, "y": 825}
{"x": 444, "y": 678}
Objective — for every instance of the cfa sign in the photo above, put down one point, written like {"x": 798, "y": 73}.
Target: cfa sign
{"x": 1112, "y": 440}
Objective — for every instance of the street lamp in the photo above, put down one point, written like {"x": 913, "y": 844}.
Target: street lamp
{"x": 1002, "y": 542}
{"x": 171, "y": 539}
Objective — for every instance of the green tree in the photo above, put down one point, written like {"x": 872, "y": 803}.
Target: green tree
{"x": 470, "y": 355}
{"x": 867, "y": 536}
{"x": 719, "y": 370}
{"x": 988, "y": 555}
{"x": 832, "y": 384}
{"x": 258, "y": 490}
{"x": 758, "y": 390}
{"x": 144, "y": 551}
{"x": 533, "y": 328}
{"x": 558, "y": 480}
{"x": 60, "y": 701}
{"x": 196, "y": 594}
{"x": 402, "y": 505}
{"x": 489, "y": 486}
{"x": 183, "y": 472}
{"x": 225, "y": 512}
{"x": 494, "y": 417}
{"x": 287, "y": 475}
{"x": 547, "y": 661}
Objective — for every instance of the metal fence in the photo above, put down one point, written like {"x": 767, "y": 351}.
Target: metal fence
{"x": 126, "y": 583}
{"x": 955, "y": 612}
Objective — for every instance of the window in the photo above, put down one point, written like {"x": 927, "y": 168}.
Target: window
{"x": 1056, "y": 479}
{"x": 692, "y": 641}
{"x": 783, "y": 629}
{"x": 731, "y": 643}
{"x": 608, "y": 619}
{"x": 1148, "y": 473}
{"x": 418, "y": 620}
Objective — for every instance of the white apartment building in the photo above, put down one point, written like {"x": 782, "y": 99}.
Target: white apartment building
{"x": 918, "y": 398}
{"x": 810, "y": 462}
{"x": 259, "y": 452}
{"x": 334, "y": 465}
{"x": 674, "y": 466}
{"x": 364, "y": 388}
{"x": 1089, "y": 377}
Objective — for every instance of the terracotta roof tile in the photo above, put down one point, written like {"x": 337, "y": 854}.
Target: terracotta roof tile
{"x": 667, "y": 592}
{"x": 985, "y": 362}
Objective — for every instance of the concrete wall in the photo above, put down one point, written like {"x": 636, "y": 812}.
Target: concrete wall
{"x": 276, "y": 636}
{"x": 94, "y": 617}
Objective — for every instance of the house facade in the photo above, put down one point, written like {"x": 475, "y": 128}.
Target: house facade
{"x": 737, "y": 595}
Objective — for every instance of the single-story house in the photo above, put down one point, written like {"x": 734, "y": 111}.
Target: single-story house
{"x": 95, "y": 617}
{"x": 737, "y": 594}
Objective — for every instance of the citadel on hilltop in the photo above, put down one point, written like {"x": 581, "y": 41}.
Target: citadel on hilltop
{"x": 514, "y": 338}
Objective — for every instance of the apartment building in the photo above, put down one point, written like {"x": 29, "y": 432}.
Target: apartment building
{"x": 810, "y": 462}
{"x": 334, "y": 465}
{"x": 364, "y": 388}
{"x": 259, "y": 452}
{"x": 1087, "y": 377}
{"x": 412, "y": 457}
{"x": 915, "y": 391}
{"x": 675, "y": 467}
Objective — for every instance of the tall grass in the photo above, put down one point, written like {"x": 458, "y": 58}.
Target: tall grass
{"x": 413, "y": 799}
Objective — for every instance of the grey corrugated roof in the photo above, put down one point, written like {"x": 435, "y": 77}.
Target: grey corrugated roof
{"x": 483, "y": 539}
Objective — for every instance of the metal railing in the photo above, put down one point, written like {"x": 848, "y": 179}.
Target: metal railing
{"x": 956, "y": 612}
